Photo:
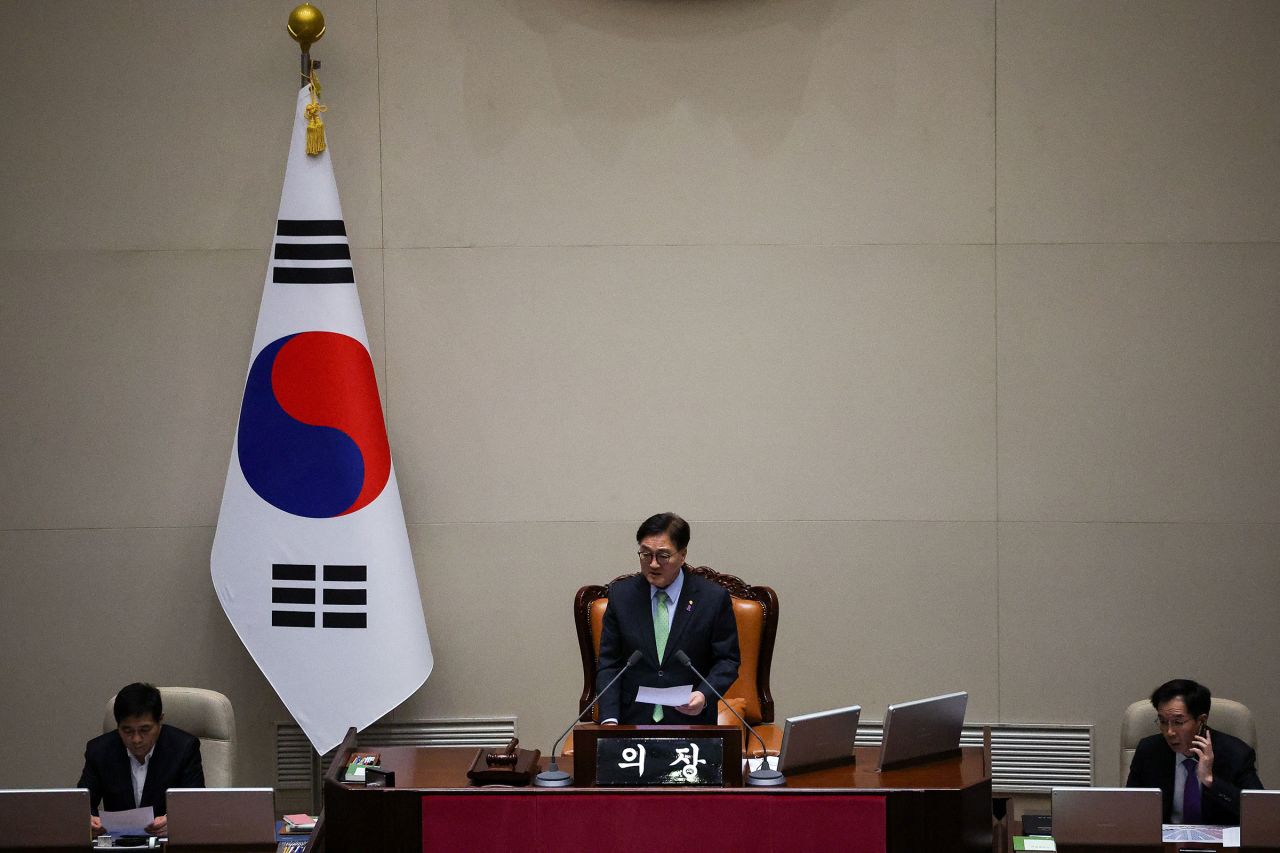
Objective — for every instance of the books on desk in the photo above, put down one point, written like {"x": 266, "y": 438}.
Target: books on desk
{"x": 294, "y": 832}
{"x": 359, "y": 761}
{"x": 295, "y": 823}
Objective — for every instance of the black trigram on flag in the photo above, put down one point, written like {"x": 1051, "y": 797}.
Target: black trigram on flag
{"x": 344, "y": 587}
{"x": 312, "y": 251}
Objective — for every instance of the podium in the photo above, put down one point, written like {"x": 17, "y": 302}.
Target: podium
{"x": 940, "y": 805}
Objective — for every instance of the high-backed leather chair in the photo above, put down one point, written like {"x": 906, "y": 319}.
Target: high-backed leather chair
{"x": 206, "y": 714}
{"x": 755, "y": 608}
{"x": 1139, "y": 721}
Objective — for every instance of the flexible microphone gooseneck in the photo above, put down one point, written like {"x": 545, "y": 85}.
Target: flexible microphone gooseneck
{"x": 553, "y": 776}
{"x": 763, "y": 775}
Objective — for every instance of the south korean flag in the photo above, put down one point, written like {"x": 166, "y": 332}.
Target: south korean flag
{"x": 311, "y": 558}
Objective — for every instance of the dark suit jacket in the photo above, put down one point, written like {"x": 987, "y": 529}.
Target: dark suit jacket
{"x": 1234, "y": 768}
{"x": 702, "y": 625}
{"x": 174, "y": 764}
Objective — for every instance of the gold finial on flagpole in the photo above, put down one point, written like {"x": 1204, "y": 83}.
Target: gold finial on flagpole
{"x": 306, "y": 26}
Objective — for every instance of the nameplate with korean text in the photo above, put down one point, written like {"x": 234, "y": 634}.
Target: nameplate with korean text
{"x": 644, "y": 761}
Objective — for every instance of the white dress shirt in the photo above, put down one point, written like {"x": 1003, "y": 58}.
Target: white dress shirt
{"x": 1179, "y": 785}
{"x": 139, "y": 770}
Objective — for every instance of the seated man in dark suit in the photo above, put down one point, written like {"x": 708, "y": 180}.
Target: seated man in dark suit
{"x": 136, "y": 764}
{"x": 659, "y": 611}
{"x": 1200, "y": 772}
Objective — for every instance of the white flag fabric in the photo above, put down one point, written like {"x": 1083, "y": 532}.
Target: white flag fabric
{"x": 311, "y": 558}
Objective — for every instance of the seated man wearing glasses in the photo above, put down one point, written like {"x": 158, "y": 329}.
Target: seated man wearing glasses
{"x": 1200, "y": 772}
{"x": 660, "y": 611}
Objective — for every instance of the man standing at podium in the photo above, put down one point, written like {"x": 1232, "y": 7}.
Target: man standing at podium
{"x": 135, "y": 765}
{"x": 661, "y": 610}
{"x": 1199, "y": 772}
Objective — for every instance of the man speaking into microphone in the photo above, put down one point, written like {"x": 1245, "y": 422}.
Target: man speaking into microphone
{"x": 663, "y": 609}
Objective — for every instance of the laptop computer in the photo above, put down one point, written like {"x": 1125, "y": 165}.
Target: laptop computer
{"x": 820, "y": 739}
{"x": 207, "y": 816}
{"x": 1106, "y": 817}
{"x": 43, "y": 818}
{"x": 1260, "y": 819}
{"x": 922, "y": 729}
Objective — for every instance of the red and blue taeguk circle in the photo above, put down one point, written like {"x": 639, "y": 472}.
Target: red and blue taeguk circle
{"x": 312, "y": 441}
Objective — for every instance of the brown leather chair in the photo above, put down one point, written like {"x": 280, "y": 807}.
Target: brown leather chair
{"x": 756, "y": 610}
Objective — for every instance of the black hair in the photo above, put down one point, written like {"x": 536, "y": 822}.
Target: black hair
{"x": 138, "y": 700}
{"x": 669, "y": 523}
{"x": 1196, "y": 695}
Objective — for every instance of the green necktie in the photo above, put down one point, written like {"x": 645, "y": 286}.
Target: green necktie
{"x": 661, "y": 628}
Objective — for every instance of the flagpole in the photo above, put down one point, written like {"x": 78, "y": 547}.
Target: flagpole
{"x": 306, "y": 26}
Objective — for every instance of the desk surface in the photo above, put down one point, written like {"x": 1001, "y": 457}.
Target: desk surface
{"x": 445, "y": 768}
{"x": 938, "y": 805}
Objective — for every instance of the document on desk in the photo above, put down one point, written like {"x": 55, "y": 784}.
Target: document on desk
{"x": 1034, "y": 842}
{"x": 669, "y": 696}
{"x": 1227, "y": 836}
{"x": 131, "y": 822}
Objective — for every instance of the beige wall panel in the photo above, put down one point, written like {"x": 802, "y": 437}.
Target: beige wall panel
{"x": 85, "y": 612}
{"x": 1095, "y": 616}
{"x": 1138, "y": 383}
{"x": 1139, "y": 121}
{"x": 739, "y": 383}
{"x": 576, "y": 121}
{"x": 122, "y": 380}
{"x": 165, "y": 125}
{"x": 499, "y": 605}
{"x": 869, "y": 612}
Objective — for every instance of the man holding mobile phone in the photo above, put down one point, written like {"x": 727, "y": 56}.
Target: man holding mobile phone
{"x": 1200, "y": 772}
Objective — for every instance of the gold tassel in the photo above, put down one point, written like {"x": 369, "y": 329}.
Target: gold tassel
{"x": 315, "y": 125}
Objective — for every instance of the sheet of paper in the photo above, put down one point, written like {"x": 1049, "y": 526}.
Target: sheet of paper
{"x": 1191, "y": 832}
{"x": 754, "y": 763}
{"x": 131, "y": 822}
{"x": 1230, "y": 836}
{"x": 669, "y": 696}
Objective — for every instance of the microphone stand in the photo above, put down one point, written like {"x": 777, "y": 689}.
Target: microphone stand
{"x": 762, "y": 776}
{"x": 553, "y": 776}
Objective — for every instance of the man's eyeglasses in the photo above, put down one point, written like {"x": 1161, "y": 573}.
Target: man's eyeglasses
{"x": 647, "y": 557}
{"x": 1172, "y": 722}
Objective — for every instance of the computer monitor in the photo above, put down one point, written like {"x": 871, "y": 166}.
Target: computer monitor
{"x": 209, "y": 816}
{"x": 922, "y": 729}
{"x": 820, "y": 739}
{"x": 40, "y": 819}
{"x": 1260, "y": 819}
{"x": 1106, "y": 817}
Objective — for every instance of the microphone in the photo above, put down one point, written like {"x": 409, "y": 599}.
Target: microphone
{"x": 553, "y": 776}
{"x": 763, "y": 775}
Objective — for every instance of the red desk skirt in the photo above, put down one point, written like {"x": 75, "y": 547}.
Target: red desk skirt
{"x": 624, "y": 822}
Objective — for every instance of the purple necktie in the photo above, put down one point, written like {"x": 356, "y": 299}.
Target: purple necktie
{"x": 1191, "y": 793}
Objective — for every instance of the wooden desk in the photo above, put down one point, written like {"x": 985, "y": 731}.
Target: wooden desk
{"x": 940, "y": 806}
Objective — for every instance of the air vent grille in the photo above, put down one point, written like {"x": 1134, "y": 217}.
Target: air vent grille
{"x": 1024, "y": 758}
